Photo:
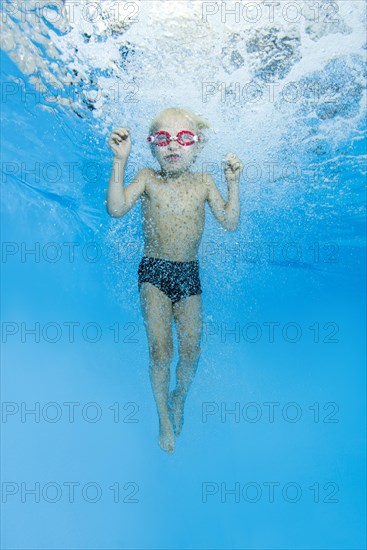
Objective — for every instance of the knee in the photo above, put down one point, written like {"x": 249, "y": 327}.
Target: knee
{"x": 161, "y": 353}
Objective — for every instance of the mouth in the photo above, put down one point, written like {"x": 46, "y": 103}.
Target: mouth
{"x": 173, "y": 157}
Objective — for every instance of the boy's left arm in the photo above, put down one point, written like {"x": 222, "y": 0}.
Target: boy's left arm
{"x": 227, "y": 213}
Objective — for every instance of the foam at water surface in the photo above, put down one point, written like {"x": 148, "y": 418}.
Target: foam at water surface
{"x": 202, "y": 55}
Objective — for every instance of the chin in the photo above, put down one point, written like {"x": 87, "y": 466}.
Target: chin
{"x": 172, "y": 167}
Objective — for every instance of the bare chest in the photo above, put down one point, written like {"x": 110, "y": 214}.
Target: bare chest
{"x": 179, "y": 200}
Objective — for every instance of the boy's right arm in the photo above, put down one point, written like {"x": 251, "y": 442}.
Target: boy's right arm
{"x": 120, "y": 199}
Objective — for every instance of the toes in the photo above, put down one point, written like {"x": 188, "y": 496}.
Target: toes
{"x": 166, "y": 439}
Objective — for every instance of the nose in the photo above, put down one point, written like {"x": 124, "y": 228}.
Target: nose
{"x": 173, "y": 145}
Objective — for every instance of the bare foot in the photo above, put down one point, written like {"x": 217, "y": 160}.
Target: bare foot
{"x": 166, "y": 439}
{"x": 176, "y": 407}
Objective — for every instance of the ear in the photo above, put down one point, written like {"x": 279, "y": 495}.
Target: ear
{"x": 153, "y": 150}
{"x": 197, "y": 152}
{"x": 199, "y": 146}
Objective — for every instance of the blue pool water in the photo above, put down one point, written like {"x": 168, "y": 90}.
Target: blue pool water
{"x": 272, "y": 454}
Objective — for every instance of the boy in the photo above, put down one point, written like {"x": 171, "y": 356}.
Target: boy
{"x": 173, "y": 207}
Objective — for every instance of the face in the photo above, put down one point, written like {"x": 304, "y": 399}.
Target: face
{"x": 175, "y": 158}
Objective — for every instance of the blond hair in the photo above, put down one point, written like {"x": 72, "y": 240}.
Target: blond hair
{"x": 198, "y": 121}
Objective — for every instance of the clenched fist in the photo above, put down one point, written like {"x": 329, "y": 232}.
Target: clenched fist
{"x": 233, "y": 167}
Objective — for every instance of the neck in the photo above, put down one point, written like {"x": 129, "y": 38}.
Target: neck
{"x": 166, "y": 174}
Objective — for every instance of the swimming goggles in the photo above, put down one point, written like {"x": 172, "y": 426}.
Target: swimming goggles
{"x": 162, "y": 138}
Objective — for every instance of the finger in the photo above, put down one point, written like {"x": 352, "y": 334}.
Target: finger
{"x": 111, "y": 141}
{"x": 121, "y": 132}
{"x": 114, "y": 139}
{"x": 118, "y": 139}
{"x": 121, "y": 129}
{"x": 119, "y": 135}
{"x": 235, "y": 167}
{"x": 231, "y": 157}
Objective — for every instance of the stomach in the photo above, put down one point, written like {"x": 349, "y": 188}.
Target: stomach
{"x": 174, "y": 240}
{"x": 175, "y": 250}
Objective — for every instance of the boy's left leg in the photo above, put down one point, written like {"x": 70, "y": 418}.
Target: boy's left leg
{"x": 188, "y": 319}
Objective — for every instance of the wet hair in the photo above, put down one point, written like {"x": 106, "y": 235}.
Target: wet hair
{"x": 198, "y": 121}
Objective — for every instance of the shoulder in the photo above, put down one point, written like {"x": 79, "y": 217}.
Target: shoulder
{"x": 203, "y": 177}
{"x": 145, "y": 173}
{"x": 148, "y": 178}
{"x": 208, "y": 178}
{"x": 144, "y": 176}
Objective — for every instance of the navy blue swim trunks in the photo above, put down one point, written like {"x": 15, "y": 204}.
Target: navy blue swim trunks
{"x": 176, "y": 279}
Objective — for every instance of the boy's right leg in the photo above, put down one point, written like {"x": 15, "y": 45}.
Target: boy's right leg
{"x": 157, "y": 314}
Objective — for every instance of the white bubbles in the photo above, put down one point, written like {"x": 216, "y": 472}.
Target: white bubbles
{"x": 278, "y": 84}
